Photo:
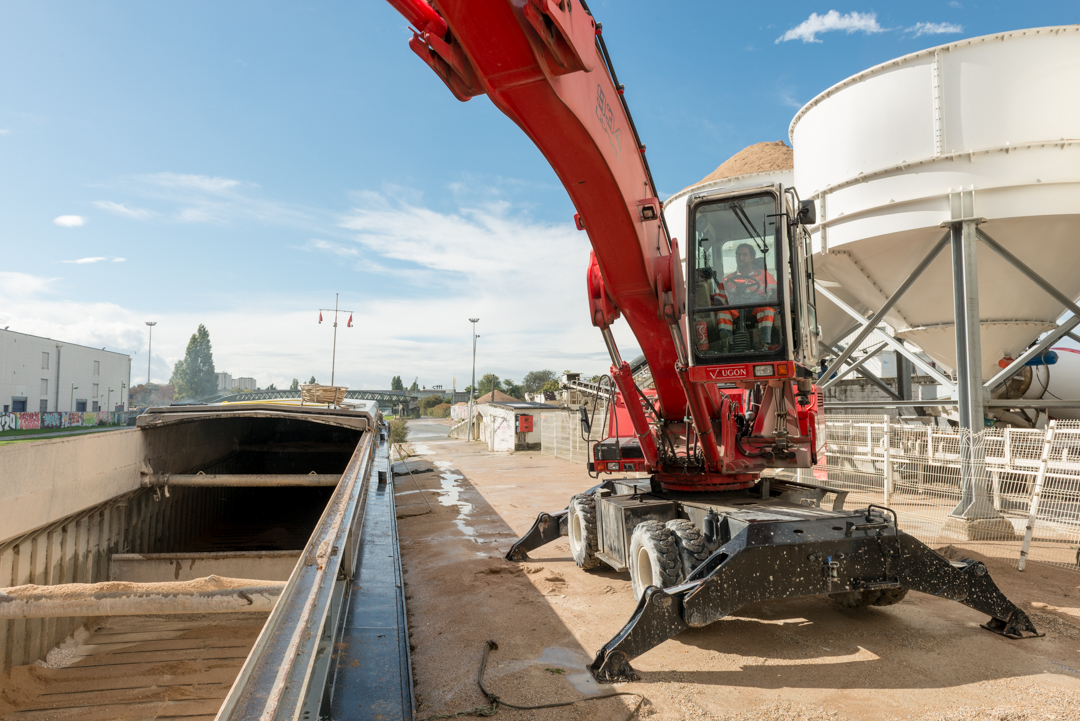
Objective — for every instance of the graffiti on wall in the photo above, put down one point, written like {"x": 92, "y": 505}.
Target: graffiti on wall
{"x": 35, "y": 421}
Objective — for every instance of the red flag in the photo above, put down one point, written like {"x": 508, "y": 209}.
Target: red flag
{"x": 320, "y": 316}
{"x": 350, "y": 321}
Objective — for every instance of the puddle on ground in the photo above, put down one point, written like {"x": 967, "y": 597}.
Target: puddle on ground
{"x": 451, "y": 496}
{"x": 575, "y": 662}
{"x": 420, "y": 449}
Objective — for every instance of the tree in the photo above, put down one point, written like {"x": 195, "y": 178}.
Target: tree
{"x": 194, "y": 376}
{"x": 551, "y": 386}
{"x": 426, "y": 404}
{"x": 311, "y": 382}
{"x": 512, "y": 389}
{"x": 415, "y": 384}
{"x": 271, "y": 387}
{"x": 486, "y": 383}
{"x": 295, "y": 385}
{"x": 535, "y": 380}
{"x": 396, "y": 384}
{"x": 399, "y": 430}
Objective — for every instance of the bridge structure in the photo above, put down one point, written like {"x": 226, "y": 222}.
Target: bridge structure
{"x": 381, "y": 397}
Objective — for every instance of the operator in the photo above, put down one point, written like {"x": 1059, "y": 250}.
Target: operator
{"x": 752, "y": 285}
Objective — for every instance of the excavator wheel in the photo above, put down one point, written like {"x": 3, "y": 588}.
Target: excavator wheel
{"x": 691, "y": 542}
{"x": 654, "y": 557}
{"x": 581, "y": 531}
{"x": 855, "y": 599}
{"x": 890, "y": 596}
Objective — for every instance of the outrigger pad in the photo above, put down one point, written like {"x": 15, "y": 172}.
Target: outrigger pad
{"x": 547, "y": 528}
{"x": 658, "y": 617}
{"x": 1016, "y": 627}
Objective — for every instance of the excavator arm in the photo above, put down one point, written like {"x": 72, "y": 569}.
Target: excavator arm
{"x": 543, "y": 63}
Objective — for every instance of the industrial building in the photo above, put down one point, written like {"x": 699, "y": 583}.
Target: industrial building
{"x": 46, "y": 375}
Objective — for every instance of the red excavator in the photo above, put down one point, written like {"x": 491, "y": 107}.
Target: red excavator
{"x": 727, "y": 327}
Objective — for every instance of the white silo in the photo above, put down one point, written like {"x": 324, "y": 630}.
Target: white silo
{"x": 982, "y": 128}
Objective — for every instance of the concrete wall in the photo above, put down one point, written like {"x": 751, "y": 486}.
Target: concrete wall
{"x": 41, "y": 481}
{"x": 23, "y": 369}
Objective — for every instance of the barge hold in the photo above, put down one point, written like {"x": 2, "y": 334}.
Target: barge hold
{"x": 217, "y": 561}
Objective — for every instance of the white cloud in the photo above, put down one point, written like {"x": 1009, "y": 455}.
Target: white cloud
{"x": 121, "y": 209}
{"x": 84, "y": 261}
{"x": 4, "y": 131}
{"x": 524, "y": 279}
{"x": 69, "y": 221}
{"x": 190, "y": 198}
{"x": 934, "y": 29}
{"x": 118, "y": 260}
{"x": 808, "y": 29}
{"x": 203, "y": 183}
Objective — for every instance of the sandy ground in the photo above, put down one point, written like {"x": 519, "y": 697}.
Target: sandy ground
{"x": 925, "y": 658}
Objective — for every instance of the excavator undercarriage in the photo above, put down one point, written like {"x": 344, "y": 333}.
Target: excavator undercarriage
{"x": 696, "y": 558}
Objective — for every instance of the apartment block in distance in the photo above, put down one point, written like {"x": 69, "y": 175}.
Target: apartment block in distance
{"x": 42, "y": 374}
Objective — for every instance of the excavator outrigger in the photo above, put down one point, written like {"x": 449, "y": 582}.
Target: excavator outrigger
{"x": 729, "y": 332}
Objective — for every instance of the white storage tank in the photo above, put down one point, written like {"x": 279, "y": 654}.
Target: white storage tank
{"x": 882, "y": 152}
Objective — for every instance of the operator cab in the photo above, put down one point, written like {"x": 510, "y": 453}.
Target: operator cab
{"x": 750, "y": 288}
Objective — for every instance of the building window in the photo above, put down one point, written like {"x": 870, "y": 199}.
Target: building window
{"x": 44, "y": 387}
{"x": 95, "y": 395}
{"x": 97, "y": 368}
{"x": 95, "y": 407}
{"x": 43, "y": 407}
{"x": 18, "y": 405}
{"x": 80, "y": 406}
{"x": 45, "y": 360}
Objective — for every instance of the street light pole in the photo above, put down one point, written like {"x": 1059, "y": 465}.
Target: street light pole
{"x": 108, "y": 402}
{"x": 71, "y": 405}
{"x": 150, "y": 348}
{"x": 472, "y": 388}
{"x": 333, "y": 357}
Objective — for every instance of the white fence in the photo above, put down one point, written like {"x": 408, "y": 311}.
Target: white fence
{"x": 1009, "y": 493}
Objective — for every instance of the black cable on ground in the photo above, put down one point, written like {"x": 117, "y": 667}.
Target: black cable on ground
{"x": 492, "y": 708}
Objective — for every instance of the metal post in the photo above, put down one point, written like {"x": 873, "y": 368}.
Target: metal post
{"x": 472, "y": 388}
{"x": 903, "y": 377}
{"x": 969, "y": 388}
{"x": 71, "y": 404}
{"x": 1044, "y": 461}
{"x": 333, "y": 352}
{"x": 150, "y": 348}
{"x": 888, "y": 481}
{"x": 975, "y": 513}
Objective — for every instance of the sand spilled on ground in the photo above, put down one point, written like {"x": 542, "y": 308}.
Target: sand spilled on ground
{"x": 923, "y": 659}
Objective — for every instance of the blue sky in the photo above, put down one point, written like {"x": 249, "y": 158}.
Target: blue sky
{"x": 237, "y": 164}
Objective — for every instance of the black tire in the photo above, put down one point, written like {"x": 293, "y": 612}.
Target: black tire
{"x": 581, "y": 531}
{"x": 855, "y": 599}
{"x": 693, "y": 550}
{"x": 654, "y": 557}
{"x": 891, "y": 596}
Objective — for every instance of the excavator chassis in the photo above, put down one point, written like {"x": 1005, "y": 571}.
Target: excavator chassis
{"x": 770, "y": 542}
